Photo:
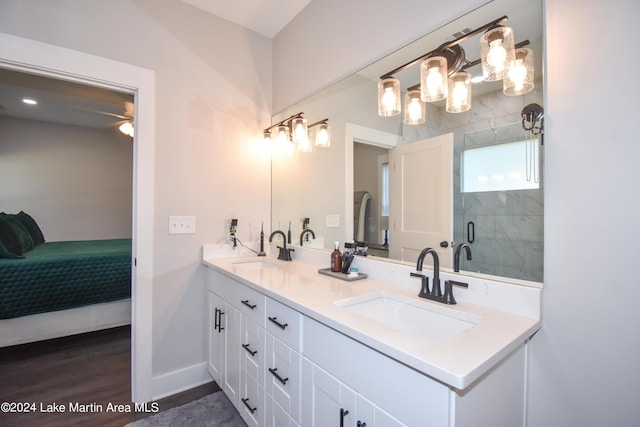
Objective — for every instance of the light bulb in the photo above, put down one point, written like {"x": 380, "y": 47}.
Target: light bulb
{"x": 389, "y": 99}
{"x": 434, "y": 80}
{"x": 517, "y": 74}
{"x": 497, "y": 55}
{"x": 415, "y": 109}
{"x": 459, "y": 94}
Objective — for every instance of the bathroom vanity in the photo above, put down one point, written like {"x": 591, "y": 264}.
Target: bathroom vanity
{"x": 293, "y": 347}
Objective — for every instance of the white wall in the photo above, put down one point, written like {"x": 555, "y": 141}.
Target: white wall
{"x": 75, "y": 182}
{"x": 213, "y": 92}
{"x": 584, "y": 362}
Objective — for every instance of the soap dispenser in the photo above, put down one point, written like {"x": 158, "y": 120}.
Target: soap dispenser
{"x": 336, "y": 259}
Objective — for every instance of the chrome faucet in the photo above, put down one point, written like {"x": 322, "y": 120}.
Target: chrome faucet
{"x": 284, "y": 253}
{"x": 306, "y": 231}
{"x": 456, "y": 255}
{"x": 435, "y": 294}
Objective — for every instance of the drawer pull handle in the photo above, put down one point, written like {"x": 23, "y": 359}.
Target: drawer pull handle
{"x": 217, "y": 319}
{"x": 343, "y": 413}
{"x": 275, "y": 374}
{"x": 282, "y": 326}
{"x": 361, "y": 424}
{"x": 246, "y": 302}
{"x": 251, "y": 352}
{"x": 246, "y": 403}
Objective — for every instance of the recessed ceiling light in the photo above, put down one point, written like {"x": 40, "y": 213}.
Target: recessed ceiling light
{"x": 29, "y": 101}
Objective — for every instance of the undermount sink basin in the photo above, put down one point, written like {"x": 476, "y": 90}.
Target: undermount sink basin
{"x": 257, "y": 264}
{"x": 421, "y": 318}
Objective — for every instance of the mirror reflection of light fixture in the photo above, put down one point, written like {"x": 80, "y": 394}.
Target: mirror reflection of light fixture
{"x": 414, "y": 108}
{"x": 126, "y": 128}
{"x": 445, "y": 66}
{"x": 389, "y": 97}
{"x": 433, "y": 78}
{"x": 497, "y": 51}
{"x": 520, "y": 75}
{"x": 459, "y": 96}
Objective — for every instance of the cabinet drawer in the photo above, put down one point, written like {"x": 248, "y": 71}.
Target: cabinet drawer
{"x": 253, "y": 353}
{"x": 251, "y": 303}
{"x": 284, "y": 323}
{"x": 282, "y": 376}
{"x": 252, "y": 402}
{"x": 276, "y": 416}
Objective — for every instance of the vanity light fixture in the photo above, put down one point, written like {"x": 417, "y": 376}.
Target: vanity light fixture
{"x": 294, "y": 129}
{"x": 443, "y": 75}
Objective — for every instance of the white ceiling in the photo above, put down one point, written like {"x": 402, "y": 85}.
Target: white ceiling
{"x": 70, "y": 103}
{"x": 266, "y": 17}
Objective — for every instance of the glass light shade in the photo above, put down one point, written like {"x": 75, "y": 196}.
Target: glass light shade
{"x": 299, "y": 129}
{"x": 496, "y": 53}
{"x": 323, "y": 135}
{"x": 267, "y": 137}
{"x": 433, "y": 79}
{"x": 414, "y": 108}
{"x": 282, "y": 135}
{"x": 389, "y": 97}
{"x": 459, "y": 97}
{"x": 520, "y": 75}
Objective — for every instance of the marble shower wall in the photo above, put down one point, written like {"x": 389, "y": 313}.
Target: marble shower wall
{"x": 508, "y": 224}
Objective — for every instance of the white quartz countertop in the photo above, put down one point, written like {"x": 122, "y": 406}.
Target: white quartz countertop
{"x": 456, "y": 361}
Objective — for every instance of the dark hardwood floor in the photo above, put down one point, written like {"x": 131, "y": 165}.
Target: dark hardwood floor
{"x": 82, "y": 374}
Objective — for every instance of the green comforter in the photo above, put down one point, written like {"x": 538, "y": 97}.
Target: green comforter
{"x": 61, "y": 275}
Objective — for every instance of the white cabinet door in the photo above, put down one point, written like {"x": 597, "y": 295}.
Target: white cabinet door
{"x": 216, "y": 337}
{"x": 327, "y": 402}
{"x": 252, "y": 403}
{"x": 231, "y": 367}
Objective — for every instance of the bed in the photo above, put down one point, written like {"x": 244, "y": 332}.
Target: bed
{"x": 52, "y": 289}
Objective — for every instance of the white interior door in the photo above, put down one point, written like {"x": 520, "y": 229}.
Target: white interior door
{"x": 421, "y": 199}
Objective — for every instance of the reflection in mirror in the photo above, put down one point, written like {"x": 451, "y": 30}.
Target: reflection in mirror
{"x": 501, "y": 222}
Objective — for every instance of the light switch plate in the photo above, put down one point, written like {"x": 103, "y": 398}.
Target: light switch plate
{"x": 333, "y": 221}
{"x": 182, "y": 224}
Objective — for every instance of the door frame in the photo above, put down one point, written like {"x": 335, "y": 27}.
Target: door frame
{"x": 35, "y": 57}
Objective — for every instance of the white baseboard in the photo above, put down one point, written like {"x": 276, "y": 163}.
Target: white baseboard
{"x": 183, "y": 379}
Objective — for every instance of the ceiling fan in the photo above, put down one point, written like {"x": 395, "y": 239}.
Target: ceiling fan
{"x": 124, "y": 122}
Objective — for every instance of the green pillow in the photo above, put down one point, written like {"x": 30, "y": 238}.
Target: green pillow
{"x": 4, "y": 253}
{"x": 9, "y": 238}
{"x": 32, "y": 227}
{"x": 21, "y": 235}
